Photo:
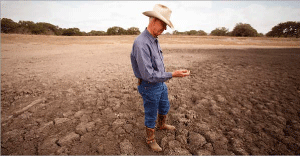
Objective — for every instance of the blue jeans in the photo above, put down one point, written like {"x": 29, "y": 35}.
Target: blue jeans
{"x": 155, "y": 98}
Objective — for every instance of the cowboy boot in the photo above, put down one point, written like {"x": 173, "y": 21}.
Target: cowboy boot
{"x": 151, "y": 140}
{"x": 162, "y": 123}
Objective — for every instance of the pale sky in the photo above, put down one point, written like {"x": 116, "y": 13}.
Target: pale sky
{"x": 186, "y": 15}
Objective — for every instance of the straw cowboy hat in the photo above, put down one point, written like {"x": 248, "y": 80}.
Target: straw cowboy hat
{"x": 161, "y": 12}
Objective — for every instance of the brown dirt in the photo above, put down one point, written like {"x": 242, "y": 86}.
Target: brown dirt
{"x": 78, "y": 95}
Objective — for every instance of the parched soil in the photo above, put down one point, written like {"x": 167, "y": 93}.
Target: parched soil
{"x": 78, "y": 96}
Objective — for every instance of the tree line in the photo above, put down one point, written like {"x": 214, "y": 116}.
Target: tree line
{"x": 286, "y": 29}
{"x": 241, "y": 29}
{"x": 29, "y": 27}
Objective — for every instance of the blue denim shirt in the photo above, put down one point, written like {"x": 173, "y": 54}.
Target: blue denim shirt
{"x": 147, "y": 59}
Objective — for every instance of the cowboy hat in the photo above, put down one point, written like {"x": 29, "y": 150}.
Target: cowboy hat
{"x": 161, "y": 12}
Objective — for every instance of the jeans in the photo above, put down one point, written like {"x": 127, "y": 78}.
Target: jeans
{"x": 155, "y": 99}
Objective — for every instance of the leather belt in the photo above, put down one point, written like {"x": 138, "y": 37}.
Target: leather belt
{"x": 140, "y": 81}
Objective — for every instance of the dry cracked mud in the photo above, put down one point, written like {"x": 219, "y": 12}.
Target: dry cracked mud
{"x": 60, "y": 96}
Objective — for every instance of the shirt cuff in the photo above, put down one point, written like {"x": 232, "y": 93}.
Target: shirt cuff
{"x": 169, "y": 75}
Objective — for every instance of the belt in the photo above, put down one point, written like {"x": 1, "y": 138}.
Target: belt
{"x": 140, "y": 82}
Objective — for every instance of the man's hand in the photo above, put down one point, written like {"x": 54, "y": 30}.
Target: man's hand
{"x": 181, "y": 73}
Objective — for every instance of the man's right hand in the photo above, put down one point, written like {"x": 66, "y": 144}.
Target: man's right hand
{"x": 180, "y": 73}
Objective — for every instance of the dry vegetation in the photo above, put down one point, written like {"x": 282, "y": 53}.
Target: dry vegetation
{"x": 78, "y": 95}
{"x": 164, "y": 39}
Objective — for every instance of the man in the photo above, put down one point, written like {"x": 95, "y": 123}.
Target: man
{"x": 148, "y": 67}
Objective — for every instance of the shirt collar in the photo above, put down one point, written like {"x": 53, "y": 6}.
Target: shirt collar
{"x": 152, "y": 39}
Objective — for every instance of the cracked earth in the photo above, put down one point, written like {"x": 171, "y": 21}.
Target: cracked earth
{"x": 78, "y": 95}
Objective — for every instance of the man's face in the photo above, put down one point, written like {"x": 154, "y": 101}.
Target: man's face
{"x": 159, "y": 27}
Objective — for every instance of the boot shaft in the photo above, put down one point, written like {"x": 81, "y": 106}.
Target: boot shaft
{"x": 162, "y": 123}
{"x": 150, "y": 135}
{"x": 161, "y": 120}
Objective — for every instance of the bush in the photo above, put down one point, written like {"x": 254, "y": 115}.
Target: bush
{"x": 191, "y": 32}
{"x": 179, "y": 33}
{"x": 116, "y": 31}
{"x": 202, "y": 33}
{"x": 260, "y": 35}
{"x": 244, "y": 30}
{"x": 133, "y": 31}
{"x": 72, "y": 32}
{"x": 220, "y": 32}
{"x": 96, "y": 33}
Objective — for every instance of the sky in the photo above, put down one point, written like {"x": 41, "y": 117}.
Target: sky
{"x": 186, "y": 15}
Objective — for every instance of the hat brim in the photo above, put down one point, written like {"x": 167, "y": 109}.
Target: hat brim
{"x": 159, "y": 16}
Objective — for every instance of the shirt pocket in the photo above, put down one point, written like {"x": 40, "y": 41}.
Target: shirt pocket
{"x": 158, "y": 63}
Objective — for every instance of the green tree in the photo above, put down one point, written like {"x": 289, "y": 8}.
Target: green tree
{"x": 116, "y": 31}
{"x": 97, "y": 33}
{"x": 39, "y": 29}
{"x": 182, "y": 33}
{"x": 220, "y": 32}
{"x": 133, "y": 31}
{"x": 275, "y": 32}
{"x": 202, "y": 33}
{"x": 49, "y": 28}
{"x": 83, "y": 33}
{"x": 244, "y": 30}
{"x": 26, "y": 27}
{"x": 8, "y": 25}
{"x": 192, "y": 32}
{"x": 72, "y": 32}
{"x": 60, "y": 31}
{"x": 260, "y": 35}
{"x": 286, "y": 29}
